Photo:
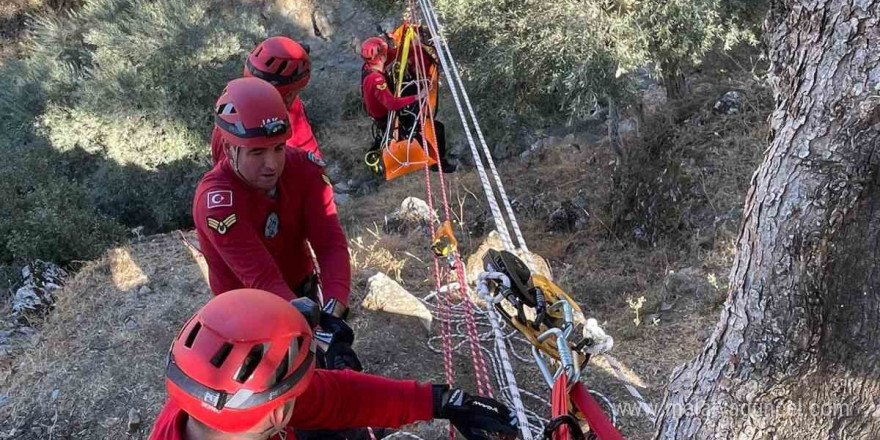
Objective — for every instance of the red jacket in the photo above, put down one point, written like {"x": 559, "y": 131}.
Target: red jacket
{"x": 378, "y": 100}
{"x": 335, "y": 399}
{"x": 302, "y": 138}
{"x": 252, "y": 240}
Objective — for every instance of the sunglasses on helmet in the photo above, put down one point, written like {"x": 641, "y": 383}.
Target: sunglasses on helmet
{"x": 268, "y": 129}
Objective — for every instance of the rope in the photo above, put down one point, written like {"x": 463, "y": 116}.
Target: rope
{"x": 428, "y": 8}
{"x": 500, "y": 224}
{"x": 531, "y": 423}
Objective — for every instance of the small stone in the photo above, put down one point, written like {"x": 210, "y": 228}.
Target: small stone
{"x": 342, "y": 199}
{"x": 334, "y": 172}
{"x": 665, "y": 306}
{"x": 341, "y": 188}
{"x": 3, "y": 400}
{"x": 728, "y": 104}
{"x": 27, "y": 331}
{"x": 55, "y": 393}
{"x": 413, "y": 213}
{"x": 131, "y": 324}
{"x": 145, "y": 289}
{"x": 38, "y": 431}
{"x": 134, "y": 420}
{"x": 388, "y": 296}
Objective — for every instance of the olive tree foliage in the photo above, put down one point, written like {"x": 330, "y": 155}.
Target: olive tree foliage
{"x": 561, "y": 57}
{"x": 679, "y": 33}
{"x": 106, "y": 120}
{"x": 546, "y": 58}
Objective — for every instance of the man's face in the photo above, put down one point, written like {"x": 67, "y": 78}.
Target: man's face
{"x": 261, "y": 166}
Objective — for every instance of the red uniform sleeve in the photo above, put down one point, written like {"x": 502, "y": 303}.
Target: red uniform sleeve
{"x": 339, "y": 399}
{"x": 379, "y": 89}
{"x": 326, "y": 236}
{"x": 240, "y": 247}
{"x": 217, "y": 152}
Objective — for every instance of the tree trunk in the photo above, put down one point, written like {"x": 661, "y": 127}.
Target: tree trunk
{"x": 796, "y": 352}
{"x": 674, "y": 81}
{"x": 614, "y": 127}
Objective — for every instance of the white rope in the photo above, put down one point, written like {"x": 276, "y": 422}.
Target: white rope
{"x": 483, "y": 291}
{"x": 497, "y": 216}
{"x": 510, "y": 391}
{"x": 531, "y": 423}
{"x": 431, "y": 15}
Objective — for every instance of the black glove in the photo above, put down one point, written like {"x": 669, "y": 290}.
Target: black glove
{"x": 476, "y": 418}
{"x": 338, "y": 336}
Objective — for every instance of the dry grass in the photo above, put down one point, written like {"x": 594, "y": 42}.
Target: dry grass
{"x": 101, "y": 351}
{"x": 103, "y": 348}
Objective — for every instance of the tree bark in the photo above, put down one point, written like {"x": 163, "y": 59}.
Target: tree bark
{"x": 674, "y": 81}
{"x": 614, "y": 127}
{"x": 796, "y": 352}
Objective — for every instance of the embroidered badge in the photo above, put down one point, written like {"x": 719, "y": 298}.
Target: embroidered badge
{"x": 317, "y": 160}
{"x": 271, "y": 228}
{"x": 222, "y": 226}
{"x": 219, "y": 199}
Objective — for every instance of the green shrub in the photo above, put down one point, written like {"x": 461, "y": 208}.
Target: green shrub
{"x": 107, "y": 120}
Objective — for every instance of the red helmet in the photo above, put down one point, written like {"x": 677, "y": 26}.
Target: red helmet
{"x": 244, "y": 354}
{"x": 373, "y": 48}
{"x": 282, "y": 62}
{"x": 251, "y": 113}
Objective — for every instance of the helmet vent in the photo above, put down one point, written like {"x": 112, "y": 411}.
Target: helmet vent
{"x": 251, "y": 361}
{"x": 191, "y": 337}
{"x": 226, "y": 109}
{"x": 282, "y": 67}
{"x": 221, "y": 355}
{"x": 270, "y": 61}
{"x": 281, "y": 371}
{"x": 258, "y": 51}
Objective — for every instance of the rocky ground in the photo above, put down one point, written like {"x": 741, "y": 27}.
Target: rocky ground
{"x": 85, "y": 360}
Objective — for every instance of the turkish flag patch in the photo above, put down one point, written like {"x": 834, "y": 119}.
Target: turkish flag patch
{"x": 219, "y": 199}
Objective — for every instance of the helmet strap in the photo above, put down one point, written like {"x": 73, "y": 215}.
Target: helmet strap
{"x": 232, "y": 152}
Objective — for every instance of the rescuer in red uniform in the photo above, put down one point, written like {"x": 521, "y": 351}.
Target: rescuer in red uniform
{"x": 379, "y": 101}
{"x": 243, "y": 368}
{"x": 285, "y": 64}
{"x": 255, "y": 211}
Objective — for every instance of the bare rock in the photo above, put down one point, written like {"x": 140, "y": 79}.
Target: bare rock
{"x": 413, "y": 213}
{"x": 474, "y": 265}
{"x": 386, "y": 295}
{"x": 728, "y": 104}
{"x": 341, "y": 199}
{"x": 134, "y": 420}
{"x": 567, "y": 217}
{"x": 501, "y": 151}
{"x": 36, "y": 294}
{"x": 144, "y": 290}
{"x": 686, "y": 282}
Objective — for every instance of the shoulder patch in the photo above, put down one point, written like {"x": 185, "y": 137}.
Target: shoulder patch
{"x": 326, "y": 179}
{"x": 219, "y": 198}
{"x": 222, "y": 226}
{"x": 317, "y": 160}
{"x": 382, "y": 86}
